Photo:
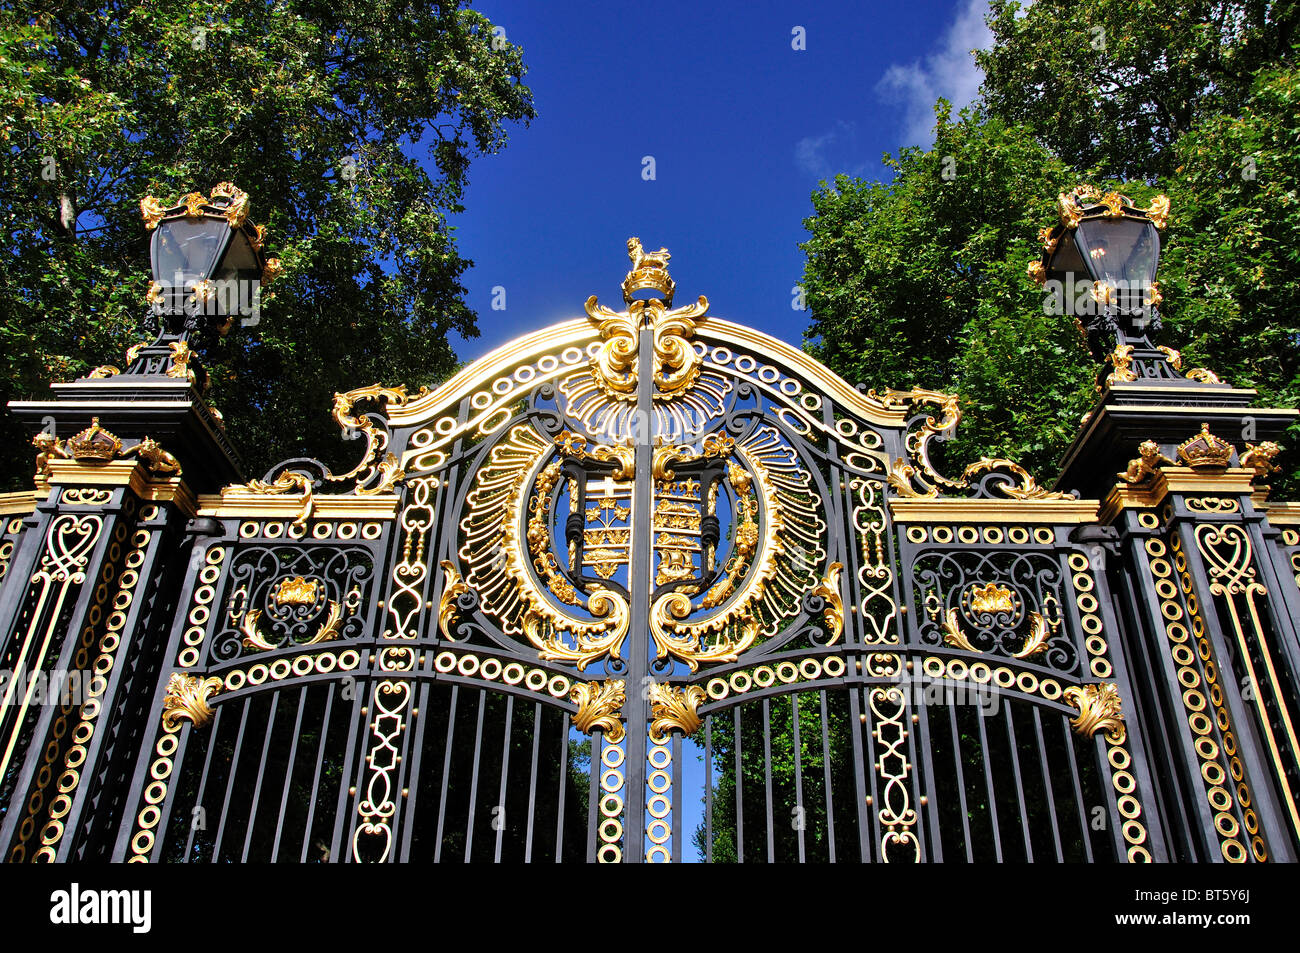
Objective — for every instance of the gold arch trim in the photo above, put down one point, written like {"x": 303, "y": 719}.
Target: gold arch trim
{"x": 580, "y": 332}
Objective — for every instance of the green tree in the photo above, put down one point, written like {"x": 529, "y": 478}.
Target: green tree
{"x": 350, "y": 124}
{"x": 1112, "y": 84}
{"x": 921, "y": 281}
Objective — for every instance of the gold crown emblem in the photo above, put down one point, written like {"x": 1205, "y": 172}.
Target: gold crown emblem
{"x": 991, "y": 598}
{"x": 1205, "y": 451}
{"x": 295, "y": 591}
{"x": 649, "y": 273}
{"x": 95, "y": 443}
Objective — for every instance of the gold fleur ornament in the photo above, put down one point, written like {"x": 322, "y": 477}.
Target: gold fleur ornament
{"x": 187, "y": 699}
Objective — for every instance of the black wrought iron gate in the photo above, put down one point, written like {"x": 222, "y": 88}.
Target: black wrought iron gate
{"x": 645, "y": 585}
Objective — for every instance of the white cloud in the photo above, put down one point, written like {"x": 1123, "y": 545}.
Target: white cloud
{"x": 824, "y": 156}
{"x": 949, "y": 72}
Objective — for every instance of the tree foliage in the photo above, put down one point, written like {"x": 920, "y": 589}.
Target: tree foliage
{"x": 350, "y": 124}
{"x": 921, "y": 281}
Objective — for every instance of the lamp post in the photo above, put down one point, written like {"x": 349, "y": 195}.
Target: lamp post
{"x": 209, "y": 265}
{"x": 1099, "y": 264}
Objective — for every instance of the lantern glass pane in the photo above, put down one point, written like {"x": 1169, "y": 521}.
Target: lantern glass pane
{"x": 185, "y": 251}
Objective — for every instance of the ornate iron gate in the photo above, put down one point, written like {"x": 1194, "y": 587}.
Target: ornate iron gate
{"x": 635, "y": 553}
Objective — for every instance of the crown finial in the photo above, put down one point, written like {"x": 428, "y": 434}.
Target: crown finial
{"x": 649, "y": 273}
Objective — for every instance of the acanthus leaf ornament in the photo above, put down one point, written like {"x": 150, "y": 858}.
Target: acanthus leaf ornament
{"x": 187, "y": 699}
{"x": 676, "y": 365}
{"x": 1036, "y": 641}
{"x": 674, "y": 708}
{"x": 287, "y": 482}
{"x": 152, "y": 211}
{"x": 952, "y": 633}
{"x": 453, "y": 588}
{"x": 599, "y": 704}
{"x": 1122, "y": 360}
{"x": 1204, "y": 375}
{"x": 329, "y": 630}
{"x": 181, "y": 355}
{"x": 1099, "y": 707}
{"x": 829, "y": 590}
{"x": 1158, "y": 211}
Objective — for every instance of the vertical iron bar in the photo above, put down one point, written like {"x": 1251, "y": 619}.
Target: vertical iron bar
{"x": 798, "y": 776}
{"x": 826, "y": 769}
{"x": 1020, "y": 786}
{"x": 1078, "y": 793}
{"x": 564, "y": 785}
{"x": 767, "y": 781}
{"x": 988, "y": 787}
{"x": 532, "y": 783}
{"x": 203, "y": 780}
{"x": 1047, "y": 782}
{"x": 858, "y": 719}
{"x": 961, "y": 780}
{"x": 446, "y": 771}
{"x": 261, "y": 773}
{"x": 639, "y": 581}
{"x": 320, "y": 763}
{"x": 593, "y": 795}
{"x": 499, "y": 816}
{"x": 708, "y": 789}
{"x": 473, "y": 777}
{"x": 410, "y": 801}
{"x": 678, "y": 820}
{"x": 288, "y": 773}
{"x": 740, "y": 799}
{"x": 230, "y": 779}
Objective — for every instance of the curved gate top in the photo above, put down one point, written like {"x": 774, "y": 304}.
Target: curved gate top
{"x": 647, "y": 585}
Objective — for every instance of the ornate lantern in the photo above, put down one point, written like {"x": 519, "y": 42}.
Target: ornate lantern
{"x": 207, "y": 257}
{"x": 1101, "y": 260}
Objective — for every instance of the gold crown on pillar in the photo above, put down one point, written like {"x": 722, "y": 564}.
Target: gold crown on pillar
{"x": 1205, "y": 451}
{"x": 649, "y": 273}
{"x": 95, "y": 443}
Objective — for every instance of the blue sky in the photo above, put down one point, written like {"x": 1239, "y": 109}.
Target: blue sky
{"x": 741, "y": 127}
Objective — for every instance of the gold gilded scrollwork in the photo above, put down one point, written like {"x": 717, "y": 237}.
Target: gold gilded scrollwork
{"x": 453, "y": 587}
{"x": 328, "y": 631}
{"x": 916, "y": 477}
{"x": 576, "y": 445}
{"x": 287, "y": 482}
{"x": 617, "y": 364}
{"x": 952, "y": 633}
{"x": 829, "y": 589}
{"x": 187, "y": 699}
{"x": 1099, "y": 710}
{"x": 674, "y": 708}
{"x": 599, "y": 704}
{"x": 1122, "y": 360}
{"x": 506, "y": 586}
